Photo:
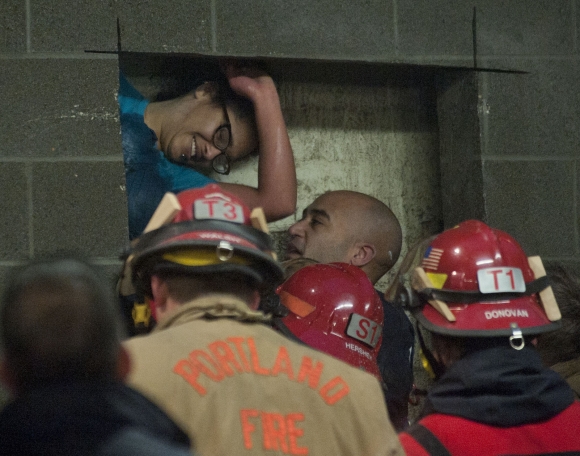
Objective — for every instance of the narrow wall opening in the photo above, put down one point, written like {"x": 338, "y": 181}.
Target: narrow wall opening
{"x": 367, "y": 127}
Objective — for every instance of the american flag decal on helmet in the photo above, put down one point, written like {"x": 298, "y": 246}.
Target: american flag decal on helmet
{"x": 431, "y": 258}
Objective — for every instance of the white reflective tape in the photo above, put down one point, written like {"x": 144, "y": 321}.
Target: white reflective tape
{"x": 364, "y": 329}
{"x": 217, "y": 209}
{"x": 357, "y": 349}
{"x": 506, "y": 313}
{"x": 501, "y": 280}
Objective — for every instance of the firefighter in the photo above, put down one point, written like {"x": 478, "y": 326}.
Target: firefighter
{"x": 481, "y": 302}
{"x": 236, "y": 385}
{"x": 358, "y": 229}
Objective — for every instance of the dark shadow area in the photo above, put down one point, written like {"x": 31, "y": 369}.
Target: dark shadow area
{"x": 163, "y": 76}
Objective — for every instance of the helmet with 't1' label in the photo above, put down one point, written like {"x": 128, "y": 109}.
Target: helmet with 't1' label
{"x": 476, "y": 281}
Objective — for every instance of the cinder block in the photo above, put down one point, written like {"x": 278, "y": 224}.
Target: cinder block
{"x": 434, "y": 27}
{"x": 534, "y": 202}
{"x": 302, "y": 28}
{"x": 460, "y": 147}
{"x": 109, "y": 272}
{"x": 80, "y": 206}
{"x": 545, "y": 27}
{"x": 59, "y": 108}
{"x": 441, "y": 27}
{"x": 515, "y": 65}
{"x": 64, "y": 25}
{"x": 14, "y": 212}
{"x": 12, "y": 26}
{"x": 577, "y": 31}
{"x": 166, "y": 26}
{"x": 4, "y": 274}
{"x": 534, "y": 114}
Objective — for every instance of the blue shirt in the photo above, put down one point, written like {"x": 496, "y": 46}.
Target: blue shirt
{"x": 149, "y": 175}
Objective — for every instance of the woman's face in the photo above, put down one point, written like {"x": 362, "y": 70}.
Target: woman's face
{"x": 188, "y": 138}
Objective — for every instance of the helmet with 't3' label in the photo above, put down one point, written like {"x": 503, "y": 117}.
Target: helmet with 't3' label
{"x": 210, "y": 233}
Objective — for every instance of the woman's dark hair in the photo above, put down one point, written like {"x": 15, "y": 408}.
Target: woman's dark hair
{"x": 182, "y": 76}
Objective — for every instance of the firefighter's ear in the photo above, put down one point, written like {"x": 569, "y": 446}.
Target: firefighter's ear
{"x": 123, "y": 366}
{"x": 254, "y": 300}
{"x": 362, "y": 253}
{"x": 160, "y": 292}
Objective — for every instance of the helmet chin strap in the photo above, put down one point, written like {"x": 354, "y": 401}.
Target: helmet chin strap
{"x": 434, "y": 368}
{"x": 278, "y": 324}
{"x": 517, "y": 341}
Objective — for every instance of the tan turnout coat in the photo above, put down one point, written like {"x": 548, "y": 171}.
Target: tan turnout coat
{"x": 240, "y": 388}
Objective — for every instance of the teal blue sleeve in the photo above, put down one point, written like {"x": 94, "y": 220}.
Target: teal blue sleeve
{"x": 181, "y": 178}
{"x": 130, "y": 100}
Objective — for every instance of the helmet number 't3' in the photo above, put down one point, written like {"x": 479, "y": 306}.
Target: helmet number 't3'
{"x": 501, "y": 280}
{"x": 216, "y": 209}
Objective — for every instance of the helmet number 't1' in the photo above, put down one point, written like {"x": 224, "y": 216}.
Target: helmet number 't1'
{"x": 501, "y": 280}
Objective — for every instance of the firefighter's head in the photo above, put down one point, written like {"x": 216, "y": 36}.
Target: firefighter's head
{"x": 210, "y": 244}
{"x": 476, "y": 287}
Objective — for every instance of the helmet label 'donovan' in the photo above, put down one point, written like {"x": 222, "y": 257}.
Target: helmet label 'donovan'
{"x": 506, "y": 313}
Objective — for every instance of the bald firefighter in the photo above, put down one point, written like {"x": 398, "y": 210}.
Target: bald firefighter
{"x": 358, "y": 229}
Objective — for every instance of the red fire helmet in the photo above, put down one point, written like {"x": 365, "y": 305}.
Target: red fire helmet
{"x": 211, "y": 233}
{"x": 476, "y": 281}
{"x": 334, "y": 308}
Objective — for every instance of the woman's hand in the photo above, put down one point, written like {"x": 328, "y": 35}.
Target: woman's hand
{"x": 250, "y": 82}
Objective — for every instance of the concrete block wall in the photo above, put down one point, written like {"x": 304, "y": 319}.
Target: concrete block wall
{"x": 61, "y": 170}
{"x": 59, "y": 114}
{"x": 528, "y": 123}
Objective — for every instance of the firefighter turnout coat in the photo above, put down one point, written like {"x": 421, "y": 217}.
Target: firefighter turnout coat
{"x": 239, "y": 387}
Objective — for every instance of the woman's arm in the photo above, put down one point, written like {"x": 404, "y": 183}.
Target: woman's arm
{"x": 276, "y": 191}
